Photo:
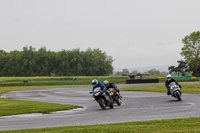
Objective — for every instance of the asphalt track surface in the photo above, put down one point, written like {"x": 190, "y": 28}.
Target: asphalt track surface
{"x": 136, "y": 106}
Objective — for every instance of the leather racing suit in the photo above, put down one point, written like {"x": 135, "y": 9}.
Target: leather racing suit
{"x": 168, "y": 82}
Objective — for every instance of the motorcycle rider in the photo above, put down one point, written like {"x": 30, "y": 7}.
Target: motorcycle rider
{"x": 110, "y": 85}
{"x": 168, "y": 81}
{"x": 96, "y": 84}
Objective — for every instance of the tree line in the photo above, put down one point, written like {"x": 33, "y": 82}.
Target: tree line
{"x": 43, "y": 62}
{"x": 152, "y": 72}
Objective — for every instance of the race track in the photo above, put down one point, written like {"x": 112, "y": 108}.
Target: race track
{"x": 136, "y": 106}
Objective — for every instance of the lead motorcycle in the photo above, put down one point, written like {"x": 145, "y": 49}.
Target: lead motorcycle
{"x": 115, "y": 96}
{"x": 102, "y": 98}
{"x": 175, "y": 90}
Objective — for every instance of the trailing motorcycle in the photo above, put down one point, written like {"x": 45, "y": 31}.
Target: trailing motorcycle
{"x": 115, "y": 96}
{"x": 102, "y": 98}
{"x": 175, "y": 90}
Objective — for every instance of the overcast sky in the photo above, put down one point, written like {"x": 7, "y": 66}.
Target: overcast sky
{"x": 136, "y": 33}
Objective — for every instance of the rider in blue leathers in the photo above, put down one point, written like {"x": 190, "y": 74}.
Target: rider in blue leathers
{"x": 96, "y": 84}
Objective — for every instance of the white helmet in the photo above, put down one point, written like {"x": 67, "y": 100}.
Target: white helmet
{"x": 94, "y": 82}
{"x": 169, "y": 77}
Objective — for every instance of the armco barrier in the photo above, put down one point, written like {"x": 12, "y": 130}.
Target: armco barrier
{"x": 135, "y": 81}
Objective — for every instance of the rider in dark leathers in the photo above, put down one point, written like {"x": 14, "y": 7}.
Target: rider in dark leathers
{"x": 168, "y": 81}
{"x": 110, "y": 85}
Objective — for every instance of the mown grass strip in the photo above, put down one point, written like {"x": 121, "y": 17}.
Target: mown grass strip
{"x": 157, "y": 126}
{"x": 61, "y": 80}
{"x": 13, "y": 107}
{"x": 69, "y": 80}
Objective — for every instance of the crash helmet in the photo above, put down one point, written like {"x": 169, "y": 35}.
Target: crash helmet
{"x": 106, "y": 83}
{"x": 94, "y": 82}
{"x": 169, "y": 77}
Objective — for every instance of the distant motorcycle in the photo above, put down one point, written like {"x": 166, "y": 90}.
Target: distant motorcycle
{"x": 115, "y": 96}
{"x": 102, "y": 98}
{"x": 175, "y": 90}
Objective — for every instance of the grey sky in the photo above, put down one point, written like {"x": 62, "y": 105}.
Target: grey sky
{"x": 136, "y": 33}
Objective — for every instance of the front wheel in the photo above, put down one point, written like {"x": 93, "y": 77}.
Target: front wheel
{"x": 102, "y": 103}
{"x": 111, "y": 103}
{"x": 178, "y": 96}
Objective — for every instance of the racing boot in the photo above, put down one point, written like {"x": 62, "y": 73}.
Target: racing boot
{"x": 108, "y": 93}
{"x": 168, "y": 92}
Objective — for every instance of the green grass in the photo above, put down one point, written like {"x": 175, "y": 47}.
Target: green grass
{"x": 61, "y": 80}
{"x": 69, "y": 80}
{"x": 159, "y": 126}
{"x": 13, "y": 107}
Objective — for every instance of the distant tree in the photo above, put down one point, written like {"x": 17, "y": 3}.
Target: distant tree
{"x": 125, "y": 70}
{"x": 181, "y": 68}
{"x": 95, "y": 62}
{"x": 13, "y": 66}
{"x": 2, "y": 62}
{"x": 27, "y": 61}
{"x": 191, "y": 51}
{"x": 118, "y": 73}
{"x": 43, "y": 58}
{"x": 154, "y": 72}
{"x": 134, "y": 71}
{"x": 62, "y": 65}
{"x": 75, "y": 62}
{"x": 173, "y": 69}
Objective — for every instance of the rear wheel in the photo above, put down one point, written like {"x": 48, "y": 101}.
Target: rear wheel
{"x": 117, "y": 100}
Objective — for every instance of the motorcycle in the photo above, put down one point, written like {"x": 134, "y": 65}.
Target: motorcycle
{"x": 115, "y": 96}
{"x": 102, "y": 98}
{"x": 175, "y": 90}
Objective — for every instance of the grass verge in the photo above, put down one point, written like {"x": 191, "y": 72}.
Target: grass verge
{"x": 13, "y": 107}
{"x": 60, "y": 80}
{"x": 157, "y": 126}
